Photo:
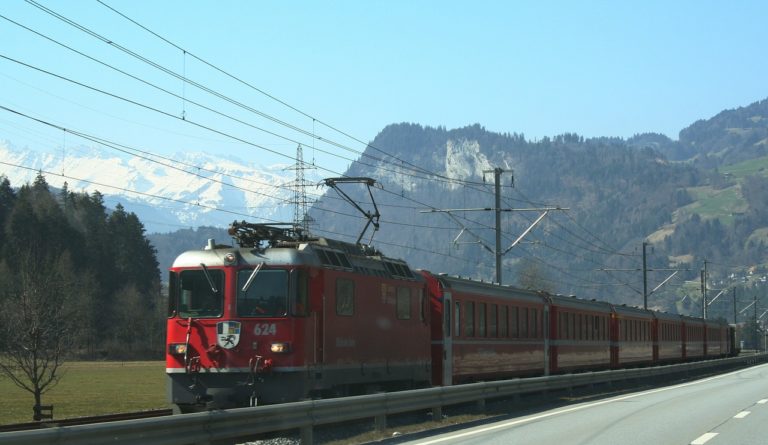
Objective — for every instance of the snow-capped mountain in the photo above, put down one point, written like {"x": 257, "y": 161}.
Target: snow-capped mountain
{"x": 167, "y": 193}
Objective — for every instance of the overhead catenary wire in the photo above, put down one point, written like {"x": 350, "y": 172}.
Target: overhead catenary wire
{"x": 452, "y": 180}
{"x": 276, "y": 99}
{"x": 164, "y": 113}
{"x": 202, "y": 87}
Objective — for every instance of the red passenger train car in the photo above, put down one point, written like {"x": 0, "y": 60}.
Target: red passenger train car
{"x": 482, "y": 331}
{"x": 580, "y": 334}
{"x": 285, "y": 317}
{"x": 668, "y": 338}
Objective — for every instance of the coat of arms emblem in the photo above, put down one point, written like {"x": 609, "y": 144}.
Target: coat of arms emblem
{"x": 228, "y": 334}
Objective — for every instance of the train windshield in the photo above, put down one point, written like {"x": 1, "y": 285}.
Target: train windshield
{"x": 201, "y": 293}
{"x": 266, "y": 296}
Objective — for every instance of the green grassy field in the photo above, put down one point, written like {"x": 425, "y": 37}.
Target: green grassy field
{"x": 715, "y": 203}
{"x": 91, "y": 388}
{"x": 741, "y": 170}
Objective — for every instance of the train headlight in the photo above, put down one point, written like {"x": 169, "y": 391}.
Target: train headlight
{"x": 280, "y": 347}
{"x": 177, "y": 348}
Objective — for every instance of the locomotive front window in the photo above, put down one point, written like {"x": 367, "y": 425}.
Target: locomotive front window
{"x": 267, "y": 295}
{"x": 200, "y": 293}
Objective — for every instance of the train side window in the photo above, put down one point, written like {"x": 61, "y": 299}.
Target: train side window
{"x": 524, "y": 323}
{"x": 457, "y": 319}
{"x": 447, "y": 320}
{"x": 173, "y": 285}
{"x": 577, "y": 321}
{"x": 534, "y": 323}
{"x": 603, "y": 328}
{"x": 345, "y": 297}
{"x": 403, "y": 305}
{"x": 422, "y": 303}
{"x": 514, "y": 322}
{"x": 563, "y": 326}
{"x": 469, "y": 319}
{"x": 300, "y": 297}
{"x": 504, "y": 321}
{"x": 596, "y": 328}
{"x": 599, "y": 322}
{"x": 481, "y": 320}
{"x": 493, "y": 320}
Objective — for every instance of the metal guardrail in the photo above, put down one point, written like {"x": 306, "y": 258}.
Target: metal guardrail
{"x": 229, "y": 425}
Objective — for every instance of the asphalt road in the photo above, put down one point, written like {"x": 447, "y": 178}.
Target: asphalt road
{"x": 726, "y": 409}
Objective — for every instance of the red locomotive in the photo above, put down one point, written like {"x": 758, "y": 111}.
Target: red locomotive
{"x": 284, "y": 317}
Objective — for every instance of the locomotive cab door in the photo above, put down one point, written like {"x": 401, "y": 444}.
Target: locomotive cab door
{"x": 447, "y": 339}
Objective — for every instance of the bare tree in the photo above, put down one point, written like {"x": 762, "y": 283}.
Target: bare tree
{"x": 37, "y": 323}
{"x": 532, "y": 276}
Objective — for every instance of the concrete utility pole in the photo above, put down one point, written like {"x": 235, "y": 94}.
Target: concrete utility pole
{"x": 755, "y": 298}
{"x": 497, "y": 191}
{"x": 498, "y": 252}
{"x": 734, "y": 306}
{"x": 645, "y": 278}
{"x": 704, "y": 291}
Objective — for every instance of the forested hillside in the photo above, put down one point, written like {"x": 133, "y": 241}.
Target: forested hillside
{"x": 621, "y": 193}
{"x": 95, "y": 271}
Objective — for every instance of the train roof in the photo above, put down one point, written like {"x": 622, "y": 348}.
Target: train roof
{"x": 572, "y": 302}
{"x": 467, "y": 285}
{"x": 666, "y": 316}
{"x": 276, "y": 246}
{"x": 632, "y": 311}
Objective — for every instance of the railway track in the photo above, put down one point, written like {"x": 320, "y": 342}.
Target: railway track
{"x": 84, "y": 420}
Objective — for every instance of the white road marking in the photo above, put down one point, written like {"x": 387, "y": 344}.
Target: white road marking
{"x": 579, "y": 408}
{"x": 742, "y": 414}
{"x": 704, "y": 438}
{"x": 762, "y": 402}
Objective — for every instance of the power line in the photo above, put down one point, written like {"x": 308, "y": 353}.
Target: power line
{"x": 145, "y": 155}
{"x": 186, "y": 80}
{"x": 270, "y": 96}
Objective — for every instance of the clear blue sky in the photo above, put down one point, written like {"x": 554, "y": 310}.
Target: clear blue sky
{"x": 537, "y": 68}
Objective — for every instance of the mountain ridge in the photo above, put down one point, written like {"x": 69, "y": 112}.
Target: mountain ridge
{"x": 185, "y": 192}
{"x": 692, "y": 199}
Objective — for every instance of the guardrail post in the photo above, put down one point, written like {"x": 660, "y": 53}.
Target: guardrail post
{"x": 380, "y": 422}
{"x": 437, "y": 413}
{"x": 306, "y": 435}
{"x": 480, "y": 405}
